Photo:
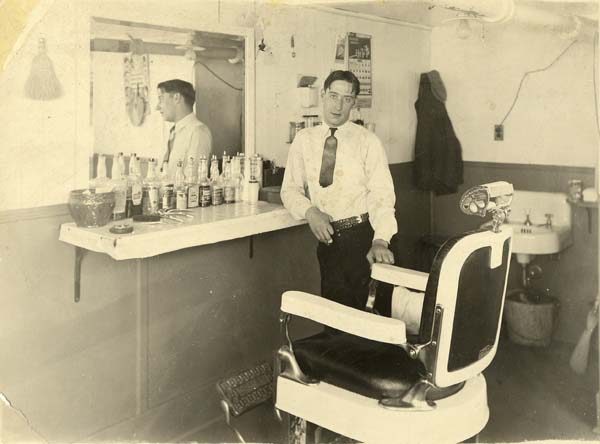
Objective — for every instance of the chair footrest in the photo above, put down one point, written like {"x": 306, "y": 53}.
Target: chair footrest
{"x": 248, "y": 388}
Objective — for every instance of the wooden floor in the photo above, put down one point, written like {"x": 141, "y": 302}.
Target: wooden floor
{"x": 532, "y": 394}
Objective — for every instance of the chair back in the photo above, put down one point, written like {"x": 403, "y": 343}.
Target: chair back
{"x": 463, "y": 304}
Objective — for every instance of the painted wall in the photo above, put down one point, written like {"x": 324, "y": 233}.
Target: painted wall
{"x": 40, "y": 155}
{"x": 47, "y": 145}
{"x": 553, "y": 120}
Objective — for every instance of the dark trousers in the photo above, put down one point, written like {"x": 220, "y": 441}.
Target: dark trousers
{"x": 345, "y": 270}
{"x": 346, "y": 273}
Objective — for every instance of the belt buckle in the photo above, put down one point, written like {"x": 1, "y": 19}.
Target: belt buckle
{"x": 357, "y": 220}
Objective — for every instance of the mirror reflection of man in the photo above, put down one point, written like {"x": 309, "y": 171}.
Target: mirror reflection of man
{"x": 188, "y": 136}
{"x": 349, "y": 198}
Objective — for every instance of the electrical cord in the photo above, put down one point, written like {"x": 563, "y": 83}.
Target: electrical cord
{"x": 532, "y": 72}
{"x": 217, "y": 76}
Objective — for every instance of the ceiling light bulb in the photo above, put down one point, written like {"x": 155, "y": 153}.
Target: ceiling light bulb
{"x": 463, "y": 30}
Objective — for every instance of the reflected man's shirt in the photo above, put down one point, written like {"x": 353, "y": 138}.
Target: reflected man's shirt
{"x": 362, "y": 182}
{"x": 192, "y": 139}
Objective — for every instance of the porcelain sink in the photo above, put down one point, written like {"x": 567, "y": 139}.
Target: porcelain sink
{"x": 537, "y": 237}
{"x": 540, "y": 239}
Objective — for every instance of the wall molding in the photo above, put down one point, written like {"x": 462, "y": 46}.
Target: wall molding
{"x": 518, "y": 166}
{"x": 24, "y": 214}
{"x": 530, "y": 167}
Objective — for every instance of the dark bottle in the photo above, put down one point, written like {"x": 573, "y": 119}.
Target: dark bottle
{"x": 134, "y": 188}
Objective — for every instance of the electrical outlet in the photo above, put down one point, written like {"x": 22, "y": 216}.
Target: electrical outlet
{"x": 498, "y": 132}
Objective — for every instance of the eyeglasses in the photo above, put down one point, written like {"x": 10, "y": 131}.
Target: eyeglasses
{"x": 348, "y": 100}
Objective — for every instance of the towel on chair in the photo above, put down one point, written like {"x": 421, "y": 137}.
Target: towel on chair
{"x": 407, "y": 306}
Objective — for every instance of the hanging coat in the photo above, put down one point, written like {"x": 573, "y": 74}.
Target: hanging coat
{"x": 438, "y": 162}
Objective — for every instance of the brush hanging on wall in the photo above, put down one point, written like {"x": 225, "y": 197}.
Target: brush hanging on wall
{"x": 42, "y": 83}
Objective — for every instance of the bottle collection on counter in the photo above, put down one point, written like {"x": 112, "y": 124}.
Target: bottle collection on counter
{"x": 198, "y": 184}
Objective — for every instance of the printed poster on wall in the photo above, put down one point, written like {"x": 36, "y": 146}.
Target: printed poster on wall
{"x": 359, "y": 62}
{"x": 340, "y": 51}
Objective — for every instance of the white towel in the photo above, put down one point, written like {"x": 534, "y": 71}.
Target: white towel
{"x": 407, "y": 306}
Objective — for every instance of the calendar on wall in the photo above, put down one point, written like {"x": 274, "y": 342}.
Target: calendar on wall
{"x": 359, "y": 58}
{"x": 353, "y": 52}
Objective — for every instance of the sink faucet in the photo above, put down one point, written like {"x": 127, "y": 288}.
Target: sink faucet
{"x": 527, "y": 222}
{"x": 548, "y": 220}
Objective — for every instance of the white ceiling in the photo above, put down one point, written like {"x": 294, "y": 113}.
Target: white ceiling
{"x": 429, "y": 13}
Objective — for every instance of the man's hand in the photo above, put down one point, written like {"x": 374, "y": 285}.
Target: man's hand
{"x": 380, "y": 253}
{"x": 320, "y": 225}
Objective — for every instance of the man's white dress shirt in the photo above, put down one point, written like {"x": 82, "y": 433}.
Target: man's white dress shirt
{"x": 192, "y": 139}
{"x": 362, "y": 182}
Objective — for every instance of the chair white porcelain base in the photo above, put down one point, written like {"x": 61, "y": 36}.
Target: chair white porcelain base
{"x": 455, "y": 418}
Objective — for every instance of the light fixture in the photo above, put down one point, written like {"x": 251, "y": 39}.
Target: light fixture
{"x": 463, "y": 29}
{"x": 190, "y": 47}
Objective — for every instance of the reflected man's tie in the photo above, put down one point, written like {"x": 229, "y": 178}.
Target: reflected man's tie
{"x": 170, "y": 144}
{"x": 328, "y": 161}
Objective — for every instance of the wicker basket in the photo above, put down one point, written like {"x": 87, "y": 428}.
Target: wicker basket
{"x": 530, "y": 323}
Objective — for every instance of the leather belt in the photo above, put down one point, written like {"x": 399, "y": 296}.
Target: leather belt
{"x": 349, "y": 222}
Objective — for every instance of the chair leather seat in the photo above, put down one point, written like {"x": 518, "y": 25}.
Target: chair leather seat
{"x": 373, "y": 369}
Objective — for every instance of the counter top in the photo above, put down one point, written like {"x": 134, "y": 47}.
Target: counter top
{"x": 209, "y": 225}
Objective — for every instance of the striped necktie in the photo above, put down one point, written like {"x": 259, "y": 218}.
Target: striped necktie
{"x": 170, "y": 144}
{"x": 328, "y": 160}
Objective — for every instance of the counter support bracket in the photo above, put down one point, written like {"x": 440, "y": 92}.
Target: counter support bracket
{"x": 79, "y": 254}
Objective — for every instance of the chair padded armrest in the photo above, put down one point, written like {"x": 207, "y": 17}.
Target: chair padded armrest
{"x": 400, "y": 276}
{"x": 350, "y": 320}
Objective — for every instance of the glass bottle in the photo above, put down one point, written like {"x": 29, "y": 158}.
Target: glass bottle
{"x": 245, "y": 186}
{"x": 214, "y": 167}
{"x": 166, "y": 190}
{"x": 119, "y": 186}
{"x": 101, "y": 182}
{"x": 134, "y": 188}
{"x": 191, "y": 182}
{"x": 205, "y": 191}
{"x": 236, "y": 177}
{"x": 228, "y": 183}
{"x": 180, "y": 188}
{"x": 150, "y": 191}
{"x": 253, "y": 181}
{"x": 216, "y": 186}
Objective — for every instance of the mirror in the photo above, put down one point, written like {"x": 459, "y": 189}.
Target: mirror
{"x": 129, "y": 59}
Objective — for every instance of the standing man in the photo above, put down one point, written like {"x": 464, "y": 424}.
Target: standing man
{"x": 338, "y": 179}
{"x": 188, "y": 136}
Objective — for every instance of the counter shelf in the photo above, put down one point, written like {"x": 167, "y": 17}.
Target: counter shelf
{"x": 210, "y": 225}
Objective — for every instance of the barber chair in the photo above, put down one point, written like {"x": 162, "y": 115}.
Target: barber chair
{"x": 369, "y": 379}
